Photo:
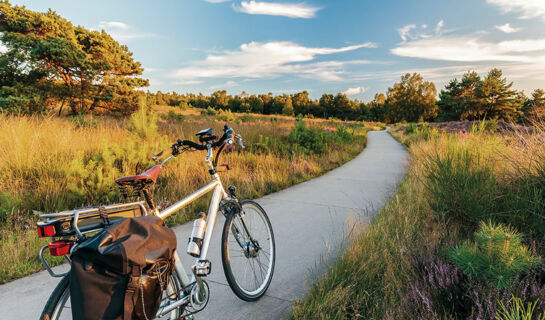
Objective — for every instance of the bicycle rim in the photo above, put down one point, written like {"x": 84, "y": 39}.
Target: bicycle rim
{"x": 250, "y": 268}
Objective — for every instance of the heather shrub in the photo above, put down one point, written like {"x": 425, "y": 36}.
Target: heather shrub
{"x": 497, "y": 256}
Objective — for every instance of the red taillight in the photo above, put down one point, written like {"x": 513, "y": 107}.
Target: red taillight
{"x": 46, "y": 231}
{"x": 59, "y": 248}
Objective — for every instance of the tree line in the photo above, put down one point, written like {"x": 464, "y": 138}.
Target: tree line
{"x": 49, "y": 63}
{"x": 411, "y": 99}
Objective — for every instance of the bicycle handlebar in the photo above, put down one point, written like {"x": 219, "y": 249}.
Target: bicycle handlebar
{"x": 227, "y": 137}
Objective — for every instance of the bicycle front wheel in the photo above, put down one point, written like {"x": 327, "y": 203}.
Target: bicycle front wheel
{"x": 248, "y": 251}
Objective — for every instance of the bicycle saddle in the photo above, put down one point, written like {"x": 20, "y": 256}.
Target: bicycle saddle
{"x": 149, "y": 175}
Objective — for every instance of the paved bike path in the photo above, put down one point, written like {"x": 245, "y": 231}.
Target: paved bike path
{"x": 310, "y": 221}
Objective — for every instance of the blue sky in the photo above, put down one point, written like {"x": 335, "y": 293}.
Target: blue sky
{"x": 359, "y": 47}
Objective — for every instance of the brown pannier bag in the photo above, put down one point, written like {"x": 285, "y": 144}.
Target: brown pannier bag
{"x": 121, "y": 272}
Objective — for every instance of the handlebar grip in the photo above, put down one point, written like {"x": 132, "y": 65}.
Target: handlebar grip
{"x": 192, "y": 144}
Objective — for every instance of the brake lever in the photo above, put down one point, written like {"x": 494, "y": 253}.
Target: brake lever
{"x": 239, "y": 138}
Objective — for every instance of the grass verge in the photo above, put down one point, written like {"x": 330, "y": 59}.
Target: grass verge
{"x": 478, "y": 194}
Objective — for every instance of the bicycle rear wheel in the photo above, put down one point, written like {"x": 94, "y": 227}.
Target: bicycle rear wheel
{"x": 248, "y": 251}
{"x": 58, "y": 305}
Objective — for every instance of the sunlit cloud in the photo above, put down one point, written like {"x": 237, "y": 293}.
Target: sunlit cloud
{"x": 506, "y": 28}
{"x": 413, "y": 32}
{"x": 526, "y": 9}
{"x": 257, "y": 60}
{"x": 354, "y": 91}
{"x": 290, "y": 10}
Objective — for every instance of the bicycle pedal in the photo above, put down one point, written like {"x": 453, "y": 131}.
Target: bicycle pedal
{"x": 202, "y": 268}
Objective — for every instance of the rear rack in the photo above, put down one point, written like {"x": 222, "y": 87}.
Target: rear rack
{"x": 79, "y": 222}
{"x": 85, "y": 220}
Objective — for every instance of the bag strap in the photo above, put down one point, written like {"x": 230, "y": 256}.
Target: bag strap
{"x": 131, "y": 293}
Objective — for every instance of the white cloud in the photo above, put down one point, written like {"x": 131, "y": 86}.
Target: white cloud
{"x": 413, "y": 32}
{"x": 521, "y": 59}
{"x": 471, "y": 48}
{"x": 354, "y": 91}
{"x": 256, "y": 60}
{"x": 188, "y": 82}
{"x": 526, "y": 8}
{"x": 291, "y": 10}
{"x": 121, "y": 31}
{"x": 506, "y": 28}
{"x": 404, "y": 32}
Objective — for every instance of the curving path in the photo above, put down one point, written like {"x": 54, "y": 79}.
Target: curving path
{"x": 310, "y": 221}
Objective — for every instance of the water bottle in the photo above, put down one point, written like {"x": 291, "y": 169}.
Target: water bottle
{"x": 197, "y": 236}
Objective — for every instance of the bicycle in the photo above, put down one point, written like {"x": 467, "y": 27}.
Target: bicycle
{"x": 247, "y": 238}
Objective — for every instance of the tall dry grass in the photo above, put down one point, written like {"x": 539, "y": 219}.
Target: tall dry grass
{"x": 53, "y": 164}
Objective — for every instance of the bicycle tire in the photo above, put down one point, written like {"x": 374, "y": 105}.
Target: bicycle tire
{"x": 50, "y": 307}
{"x": 226, "y": 258}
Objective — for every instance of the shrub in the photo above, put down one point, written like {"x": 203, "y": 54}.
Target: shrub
{"x": 462, "y": 186}
{"x": 497, "y": 255}
{"x": 208, "y": 112}
{"x": 226, "y": 115}
{"x": 343, "y": 133}
{"x": 310, "y": 140}
{"x": 175, "y": 116}
{"x": 246, "y": 117}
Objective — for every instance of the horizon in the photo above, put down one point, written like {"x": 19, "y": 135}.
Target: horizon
{"x": 286, "y": 47}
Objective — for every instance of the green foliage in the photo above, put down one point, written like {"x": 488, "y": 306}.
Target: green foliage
{"x": 462, "y": 189}
{"x": 209, "y": 112}
{"x": 518, "y": 311}
{"x": 226, "y": 115}
{"x": 497, "y": 255}
{"x": 474, "y": 98}
{"x": 309, "y": 139}
{"x": 246, "y": 118}
{"x": 175, "y": 116}
{"x": 8, "y": 205}
{"x": 48, "y": 57}
{"x": 412, "y": 99}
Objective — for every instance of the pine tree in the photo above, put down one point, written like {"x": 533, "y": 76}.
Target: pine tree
{"x": 88, "y": 68}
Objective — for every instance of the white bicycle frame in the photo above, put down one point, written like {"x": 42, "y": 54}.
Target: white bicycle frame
{"x": 218, "y": 195}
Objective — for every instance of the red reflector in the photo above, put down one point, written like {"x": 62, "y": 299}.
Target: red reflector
{"x": 46, "y": 231}
{"x": 59, "y": 248}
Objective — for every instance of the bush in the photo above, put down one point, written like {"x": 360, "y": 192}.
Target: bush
{"x": 226, "y": 115}
{"x": 175, "y": 116}
{"x": 497, "y": 256}
{"x": 310, "y": 140}
{"x": 208, "y": 112}
{"x": 461, "y": 186}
